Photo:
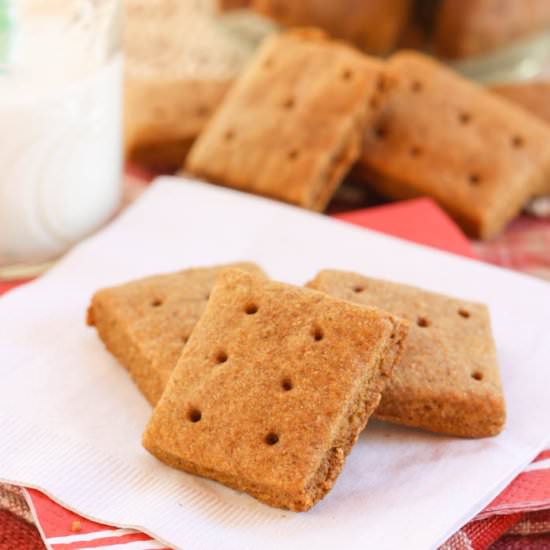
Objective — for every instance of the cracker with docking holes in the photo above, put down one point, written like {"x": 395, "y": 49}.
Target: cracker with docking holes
{"x": 292, "y": 125}
{"x": 448, "y": 380}
{"x": 146, "y": 323}
{"x": 273, "y": 388}
{"x": 374, "y": 26}
{"x": 472, "y": 27}
{"x": 480, "y": 156}
{"x": 179, "y": 62}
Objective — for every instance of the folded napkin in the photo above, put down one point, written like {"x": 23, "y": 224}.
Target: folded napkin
{"x": 75, "y": 419}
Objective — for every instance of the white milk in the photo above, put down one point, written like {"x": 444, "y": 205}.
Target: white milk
{"x": 60, "y": 142}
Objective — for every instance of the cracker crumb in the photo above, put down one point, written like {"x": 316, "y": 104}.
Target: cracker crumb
{"x": 76, "y": 526}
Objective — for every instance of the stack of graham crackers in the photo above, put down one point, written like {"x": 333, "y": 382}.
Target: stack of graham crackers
{"x": 454, "y": 29}
{"x": 291, "y": 119}
{"x": 265, "y": 387}
{"x": 306, "y": 110}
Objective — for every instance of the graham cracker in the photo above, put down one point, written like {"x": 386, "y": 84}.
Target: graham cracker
{"x": 472, "y": 27}
{"x": 448, "y": 380}
{"x": 164, "y": 117}
{"x": 179, "y": 62}
{"x": 374, "y": 26}
{"x": 228, "y": 5}
{"x": 273, "y": 388}
{"x": 146, "y": 323}
{"x": 291, "y": 126}
{"x": 481, "y": 157}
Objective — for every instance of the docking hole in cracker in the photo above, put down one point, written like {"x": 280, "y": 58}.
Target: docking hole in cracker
{"x": 272, "y": 438}
{"x": 286, "y": 384}
{"x": 194, "y": 415}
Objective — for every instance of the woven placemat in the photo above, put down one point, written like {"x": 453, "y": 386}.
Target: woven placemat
{"x": 17, "y": 529}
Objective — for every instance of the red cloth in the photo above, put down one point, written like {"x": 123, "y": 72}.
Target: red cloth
{"x": 420, "y": 221}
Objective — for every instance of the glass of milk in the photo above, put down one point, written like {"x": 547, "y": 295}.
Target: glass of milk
{"x": 60, "y": 126}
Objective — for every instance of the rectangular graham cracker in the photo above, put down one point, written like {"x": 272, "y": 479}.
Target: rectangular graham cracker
{"x": 472, "y": 27}
{"x": 480, "y": 156}
{"x": 291, "y": 126}
{"x": 448, "y": 380}
{"x": 374, "y": 26}
{"x": 146, "y": 323}
{"x": 273, "y": 388}
{"x": 179, "y": 62}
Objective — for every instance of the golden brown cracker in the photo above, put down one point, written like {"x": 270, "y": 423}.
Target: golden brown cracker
{"x": 440, "y": 135}
{"x": 472, "y": 27}
{"x": 164, "y": 117}
{"x": 374, "y": 26}
{"x": 292, "y": 124}
{"x": 146, "y": 323}
{"x": 448, "y": 380}
{"x": 273, "y": 388}
{"x": 179, "y": 62}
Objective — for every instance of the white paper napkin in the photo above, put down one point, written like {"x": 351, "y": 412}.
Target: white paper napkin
{"x": 71, "y": 420}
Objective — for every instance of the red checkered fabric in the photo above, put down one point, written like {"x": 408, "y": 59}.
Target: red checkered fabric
{"x": 524, "y": 246}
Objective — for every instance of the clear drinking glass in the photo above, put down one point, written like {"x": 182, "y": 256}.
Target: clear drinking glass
{"x": 60, "y": 126}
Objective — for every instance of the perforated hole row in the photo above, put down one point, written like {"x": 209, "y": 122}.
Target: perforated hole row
{"x": 194, "y": 414}
{"x": 516, "y": 141}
